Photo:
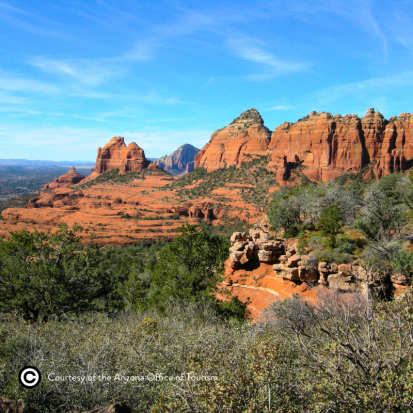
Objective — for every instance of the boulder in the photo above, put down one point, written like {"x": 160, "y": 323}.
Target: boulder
{"x": 344, "y": 269}
{"x": 293, "y": 260}
{"x": 343, "y": 283}
{"x": 266, "y": 256}
{"x": 238, "y": 236}
{"x": 291, "y": 274}
{"x": 238, "y": 246}
{"x": 309, "y": 275}
{"x": 235, "y": 256}
{"x": 249, "y": 250}
{"x": 270, "y": 245}
{"x": 399, "y": 279}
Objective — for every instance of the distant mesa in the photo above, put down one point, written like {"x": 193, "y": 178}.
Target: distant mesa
{"x": 180, "y": 162}
{"x": 325, "y": 146}
{"x": 69, "y": 178}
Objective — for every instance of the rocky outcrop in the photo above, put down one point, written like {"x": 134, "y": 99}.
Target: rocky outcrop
{"x": 288, "y": 264}
{"x": 177, "y": 163}
{"x": 326, "y": 146}
{"x": 69, "y": 178}
{"x": 116, "y": 155}
{"x": 261, "y": 268}
{"x": 236, "y": 143}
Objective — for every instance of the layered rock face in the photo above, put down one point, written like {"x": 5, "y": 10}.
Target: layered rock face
{"x": 325, "y": 145}
{"x": 116, "y": 155}
{"x": 69, "y": 178}
{"x": 234, "y": 144}
{"x": 177, "y": 163}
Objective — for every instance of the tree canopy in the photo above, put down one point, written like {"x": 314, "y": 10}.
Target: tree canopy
{"x": 43, "y": 275}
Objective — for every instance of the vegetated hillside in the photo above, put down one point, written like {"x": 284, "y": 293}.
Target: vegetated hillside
{"x": 337, "y": 355}
{"x": 350, "y": 221}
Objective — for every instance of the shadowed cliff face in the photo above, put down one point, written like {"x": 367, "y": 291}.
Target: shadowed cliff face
{"x": 326, "y": 145}
{"x": 180, "y": 161}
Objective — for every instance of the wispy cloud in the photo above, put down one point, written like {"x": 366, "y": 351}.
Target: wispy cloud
{"x": 364, "y": 88}
{"x": 280, "y": 107}
{"x": 8, "y": 7}
{"x": 366, "y": 19}
{"x": 32, "y": 24}
{"x": 20, "y": 84}
{"x": 91, "y": 72}
{"x": 249, "y": 49}
{"x": 401, "y": 27}
{"x": 359, "y": 13}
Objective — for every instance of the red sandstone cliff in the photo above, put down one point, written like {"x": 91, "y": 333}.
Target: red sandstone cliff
{"x": 116, "y": 155}
{"x": 235, "y": 143}
{"x": 325, "y": 145}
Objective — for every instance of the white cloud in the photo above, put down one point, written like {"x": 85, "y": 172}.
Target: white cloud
{"x": 249, "y": 49}
{"x": 91, "y": 72}
{"x": 20, "y": 84}
{"x": 280, "y": 107}
{"x": 337, "y": 92}
{"x": 379, "y": 92}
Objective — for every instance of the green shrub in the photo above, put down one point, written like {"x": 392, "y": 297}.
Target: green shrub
{"x": 402, "y": 262}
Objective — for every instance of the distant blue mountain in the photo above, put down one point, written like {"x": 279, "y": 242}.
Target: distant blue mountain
{"x": 26, "y": 162}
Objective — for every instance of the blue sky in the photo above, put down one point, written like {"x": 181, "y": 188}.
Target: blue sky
{"x": 164, "y": 73}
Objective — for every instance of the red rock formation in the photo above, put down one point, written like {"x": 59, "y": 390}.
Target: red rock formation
{"x": 69, "y": 178}
{"x": 116, "y": 155}
{"x": 325, "y": 145}
{"x": 234, "y": 144}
